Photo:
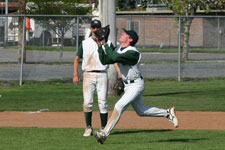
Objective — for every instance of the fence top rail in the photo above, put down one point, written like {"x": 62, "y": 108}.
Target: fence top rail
{"x": 90, "y": 16}
{"x": 169, "y": 16}
{"x": 38, "y": 15}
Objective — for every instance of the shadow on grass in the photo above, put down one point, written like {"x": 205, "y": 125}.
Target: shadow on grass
{"x": 180, "y": 140}
{"x": 138, "y": 131}
{"x": 174, "y": 93}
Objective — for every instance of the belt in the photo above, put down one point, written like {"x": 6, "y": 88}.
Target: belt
{"x": 98, "y": 71}
{"x": 131, "y": 81}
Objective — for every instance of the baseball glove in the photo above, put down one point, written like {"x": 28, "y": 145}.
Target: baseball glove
{"x": 103, "y": 33}
{"x": 119, "y": 86}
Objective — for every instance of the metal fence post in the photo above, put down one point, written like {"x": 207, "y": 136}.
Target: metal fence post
{"x": 43, "y": 38}
{"x": 143, "y": 31}
{"x": 179, "y": 52}
{"x": 77, "y": 35}
{"x": 130, "y": 22}
{"x": 219, "y": 34}
{"x": 23, "y": 41}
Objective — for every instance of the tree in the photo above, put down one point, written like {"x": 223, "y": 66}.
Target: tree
{"x": 189, "y": 8}
{"x": 144, "y": 3}
{"x": 122, "y": 4}
{"x": 59, "y": 25}
{"x": 132, "y": 3}
{"x": 127, "y": 4}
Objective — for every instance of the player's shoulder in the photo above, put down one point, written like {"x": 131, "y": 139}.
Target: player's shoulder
{"x": 88, "y": 41}
{"x": 132, "y": 48}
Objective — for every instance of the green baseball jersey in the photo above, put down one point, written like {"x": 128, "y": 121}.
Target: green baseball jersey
{"x": 107, "y": 55}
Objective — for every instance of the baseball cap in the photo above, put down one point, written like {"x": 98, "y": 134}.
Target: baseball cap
{"x": 96, "y": 23}
{"x": 133, "y": 35}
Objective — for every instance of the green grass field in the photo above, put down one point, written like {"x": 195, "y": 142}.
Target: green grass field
{"x": 62, "y": 95}
{"x": 72, "y": 139}
{"x": 194, "y": 95}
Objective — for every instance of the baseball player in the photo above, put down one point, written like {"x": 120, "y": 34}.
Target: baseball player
{"x": 128, "y": 57}
{"x": 94, "y": 78}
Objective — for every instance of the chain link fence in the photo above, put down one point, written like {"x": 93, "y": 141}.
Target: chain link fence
{"x": 51, "y": 43}
{"x": 164, "y": 36}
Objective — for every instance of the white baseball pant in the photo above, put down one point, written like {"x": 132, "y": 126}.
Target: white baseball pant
{"x": 132, "y": 95}
{"x": 92, "y": 81}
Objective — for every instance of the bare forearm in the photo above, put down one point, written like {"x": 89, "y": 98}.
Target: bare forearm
{"x": 75, "y": 66}
{"x": 118, "y": 70}
{"x": 76, "y": 78}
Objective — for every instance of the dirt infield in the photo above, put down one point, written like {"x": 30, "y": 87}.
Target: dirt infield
{"x": 129, "y": 120}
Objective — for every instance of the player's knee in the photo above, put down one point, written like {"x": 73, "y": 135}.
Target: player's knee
{"x": 87, "y": 107}
{"x": 103, "y": 106}
{"x": 103, "y": 110}
{"x": 119, "y": 107}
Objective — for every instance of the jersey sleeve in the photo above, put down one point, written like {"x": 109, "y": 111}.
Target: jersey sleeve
{"x": 130, "y": 57}
{"x": 80, "y": 51}
{"x": 112, "y": 46}
{"x": 105, "y": 59}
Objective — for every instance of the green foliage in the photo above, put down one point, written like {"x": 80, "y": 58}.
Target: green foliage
{"x": 189, "y": 7}
{"x": 213, "y": 4}
{"x": 185, "y": 7}
{"x": 57, "y": 7}
{"x": 51, "y": 7}
{"x": 59, "y": 25}
{"x": 72, "y": 139}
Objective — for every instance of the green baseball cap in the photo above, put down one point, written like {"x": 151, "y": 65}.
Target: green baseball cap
{"x": 96, "y": 23}
{"x": 133, "y": 35}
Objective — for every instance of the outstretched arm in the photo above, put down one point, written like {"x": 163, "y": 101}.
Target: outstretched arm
{"x": 130, "y": 57}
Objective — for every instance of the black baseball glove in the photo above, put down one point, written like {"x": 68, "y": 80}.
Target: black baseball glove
{"x": 103, "y": 33}
{"x": 119, "y": 86}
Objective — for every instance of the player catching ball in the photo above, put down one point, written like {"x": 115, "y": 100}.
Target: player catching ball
{"x": 128, "y": 57}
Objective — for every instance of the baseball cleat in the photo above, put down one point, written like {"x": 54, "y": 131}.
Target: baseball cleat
{"x": 100, "y": 136}
{"x": 101, "y": 130}
{"x": 172, "y": 116}
{"x": 88, "y": 132}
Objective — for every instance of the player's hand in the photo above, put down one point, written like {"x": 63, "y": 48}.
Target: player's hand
{"x": 100, "y": 43}
{"x": 103, "y": 42}
{"x": 76, "y": 79}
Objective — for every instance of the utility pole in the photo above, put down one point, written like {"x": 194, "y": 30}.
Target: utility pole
{"x": 107, "y": 11}
{"x": 22, "y": 45}
{"x": 108, "y": 17}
